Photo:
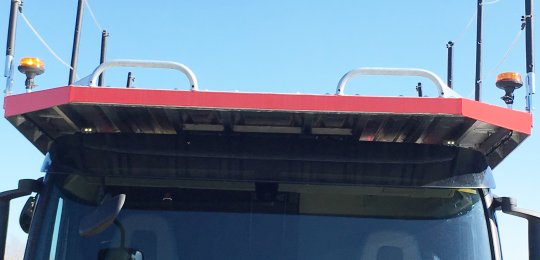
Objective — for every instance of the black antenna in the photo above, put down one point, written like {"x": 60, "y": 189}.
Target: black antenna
{"x": 10, "y": 44}
{"x": 76, "y": 39}
{"x": 450, "y": 46}
{"x": 104, "y": 36}
{"x": 529, "y": 53}
{"x": 419, "y": 89}
{"x": 130, "y": 80}
{"x": 478, "y": 80}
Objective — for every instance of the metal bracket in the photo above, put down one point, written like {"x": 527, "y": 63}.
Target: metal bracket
{"x": 509, "y": 206}
{"x": 26, "y": 187}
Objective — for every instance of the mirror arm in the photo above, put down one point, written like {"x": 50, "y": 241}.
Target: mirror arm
{"x": 26, "y": 187}
{"x": 509, "y": 206}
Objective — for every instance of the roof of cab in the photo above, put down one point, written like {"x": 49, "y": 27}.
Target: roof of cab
{"x": 43, "y": 116}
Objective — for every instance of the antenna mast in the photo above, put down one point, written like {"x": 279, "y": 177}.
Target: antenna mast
{"x": 76, "y": 39}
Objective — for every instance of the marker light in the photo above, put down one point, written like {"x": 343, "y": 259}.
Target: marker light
{"x": 31, "y": 67}
{"x": 509, "y": 81}
{"x": 87, "y": 130}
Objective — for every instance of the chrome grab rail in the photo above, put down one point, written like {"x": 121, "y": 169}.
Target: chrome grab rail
{"x": 92, "y": 79}
{"x": 444, "y": 90}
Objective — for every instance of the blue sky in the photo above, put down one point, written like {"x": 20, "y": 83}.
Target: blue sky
{"x": 287, "y": 47}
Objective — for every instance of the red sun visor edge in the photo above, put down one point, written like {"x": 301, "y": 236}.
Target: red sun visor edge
{"x": 503, "y": 117}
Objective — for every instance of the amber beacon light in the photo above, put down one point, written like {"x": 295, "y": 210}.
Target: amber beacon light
{"x": 31, "y": 67}
{"x": 509, "y": 81}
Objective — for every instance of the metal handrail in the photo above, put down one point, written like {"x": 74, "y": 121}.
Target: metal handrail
{"x": 444, "y": 91}
{"x": 144, "y": 64}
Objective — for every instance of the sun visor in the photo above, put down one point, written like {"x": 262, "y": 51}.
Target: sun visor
{"x": 269, "y": 158}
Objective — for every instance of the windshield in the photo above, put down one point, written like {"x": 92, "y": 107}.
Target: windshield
{"x": 197, "y": 220}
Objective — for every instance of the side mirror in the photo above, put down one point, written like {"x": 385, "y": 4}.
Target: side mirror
{"x": 102, "y": 217}
{"x": 509, "y": 206}
{"x": 25, "y": 219}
